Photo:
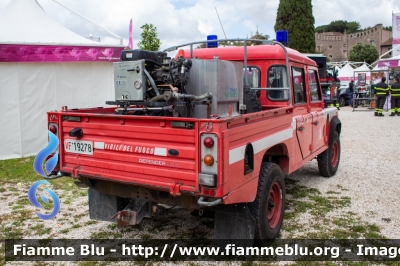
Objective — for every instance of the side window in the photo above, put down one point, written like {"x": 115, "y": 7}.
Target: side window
{"x": 253, "y": 76}
{"x": 299, "y": 85}
{"x": 315, "y": 93}
{"x": 277, "y": 78}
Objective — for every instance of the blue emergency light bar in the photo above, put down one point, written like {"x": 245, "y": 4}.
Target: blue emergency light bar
{"x": 212, "y": 44}
{"x": 282, "y": 37}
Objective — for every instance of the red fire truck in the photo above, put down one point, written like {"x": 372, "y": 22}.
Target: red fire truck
{"x": 210, "y": 129}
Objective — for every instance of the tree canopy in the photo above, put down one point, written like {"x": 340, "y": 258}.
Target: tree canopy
{"x": 366, "y": 52}
{"x": 339, "y": 26}
{"x": 297, "y": 18}
{"x": 149, "y": 41}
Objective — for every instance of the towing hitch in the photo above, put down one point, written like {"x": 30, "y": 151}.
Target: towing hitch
{"x": 134, "y": 212}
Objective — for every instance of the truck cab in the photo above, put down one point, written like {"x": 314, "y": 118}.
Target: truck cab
{"x": 270, "y": 77}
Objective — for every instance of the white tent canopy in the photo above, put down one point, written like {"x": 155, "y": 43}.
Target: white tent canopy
{"x": 345, "y": 74}
{"x": 44, "y": 66}
{"x": 25, "y": 22}
{"x": 363, "y": 68}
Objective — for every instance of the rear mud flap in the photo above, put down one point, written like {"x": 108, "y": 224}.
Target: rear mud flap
{"x": 233, "y": 225}
{"x": 102, "y": 206}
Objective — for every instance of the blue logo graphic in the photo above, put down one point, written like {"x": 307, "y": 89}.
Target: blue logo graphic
{"x": 35, "y": 202}
{"x": 42, "y": 155}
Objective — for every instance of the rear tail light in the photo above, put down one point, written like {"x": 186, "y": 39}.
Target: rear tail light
{"x": 53, "y": 129}
{"x": 208, "y": 142}
{"x": 209, "y": 160}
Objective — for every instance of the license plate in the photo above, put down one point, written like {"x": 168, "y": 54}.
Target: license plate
{"x": 79, "y": 146}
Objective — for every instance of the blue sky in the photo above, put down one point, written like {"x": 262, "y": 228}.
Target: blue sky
{"x": 181, "y": 21}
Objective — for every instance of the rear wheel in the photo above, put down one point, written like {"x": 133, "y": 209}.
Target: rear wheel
{"x": 269, "y": 205}
{"x": 328, "y": 161}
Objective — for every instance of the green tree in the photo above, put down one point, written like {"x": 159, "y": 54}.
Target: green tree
{"x": 366, "y": 52}
{"x": 258, "y": 36}
{"x": 321, "y": 29}
{"x": 149, "y": 41}
{"x": 339, "y": 26}
{"x": 352, "y": 26}
{"x": 296, "y": 17}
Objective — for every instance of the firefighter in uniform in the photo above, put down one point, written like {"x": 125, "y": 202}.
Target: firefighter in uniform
{"x": 380, "y": 93}
{"x": 395, "y": 92}
{"x": 335, "y": 92}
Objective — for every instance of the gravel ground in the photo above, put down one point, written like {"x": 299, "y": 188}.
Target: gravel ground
{"x": 369, "y": 173}
{"x": 369, "y": 168}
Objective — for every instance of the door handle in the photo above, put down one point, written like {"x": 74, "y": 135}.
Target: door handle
{"x": 316, "y": 123}
{"x": 300, "y": 129}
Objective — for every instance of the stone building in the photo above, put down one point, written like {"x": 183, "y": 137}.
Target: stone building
{"x": 386, "y": 47}
{"x": 336, "y": 46}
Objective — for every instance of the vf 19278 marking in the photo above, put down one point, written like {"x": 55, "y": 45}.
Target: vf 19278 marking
{"x": 78, "y": 146}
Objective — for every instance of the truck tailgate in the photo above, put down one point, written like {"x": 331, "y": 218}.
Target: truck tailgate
{"x": 147, "y": 151}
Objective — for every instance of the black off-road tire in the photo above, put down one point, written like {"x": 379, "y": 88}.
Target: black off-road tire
{"x": 251, "y": 100}
{"x": 269, "y": 205}
{"x": 328, "y": 161}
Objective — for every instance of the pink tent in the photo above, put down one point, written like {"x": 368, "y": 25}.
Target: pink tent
{"x": 27, "y": 34}
{"x": 44, "y": 66}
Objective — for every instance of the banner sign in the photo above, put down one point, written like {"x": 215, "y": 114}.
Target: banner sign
{"x": 389, "y": 63}
{"x": 47, "y": 53}
{"x": 353, "y": 78}
{"x": 362, "y": 77}
{"x": 130, "y": 43}
{"x": 396, "y": 34}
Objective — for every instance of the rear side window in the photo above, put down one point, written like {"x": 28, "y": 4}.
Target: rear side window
{"x": 299, "y": 85}
{"x": 253, "y": 76}
{"x": 277, "y": 78}
{"x": 315, "y": 93}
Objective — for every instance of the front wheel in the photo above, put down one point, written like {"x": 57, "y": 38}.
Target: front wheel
{"x": 269, "y": 206}
{"x": 328, "y": 161}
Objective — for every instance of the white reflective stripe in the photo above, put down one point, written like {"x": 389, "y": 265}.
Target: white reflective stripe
{"x": 270, "y": 141}
{"x": 160, "y": 151}
{"x": 294, "y": 123}
{"x": 332, "y": 111}
{"x": 99, "y": 145}
{"x": 237, "y": 154}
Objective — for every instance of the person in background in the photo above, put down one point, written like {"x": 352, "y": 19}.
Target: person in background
{"x": 335, "y": 91}
{"x": 395, "y": 100}
{"x": 351, "y": 90}
{"x": 380, "y": 93}
{"x": 351, "y": 86}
